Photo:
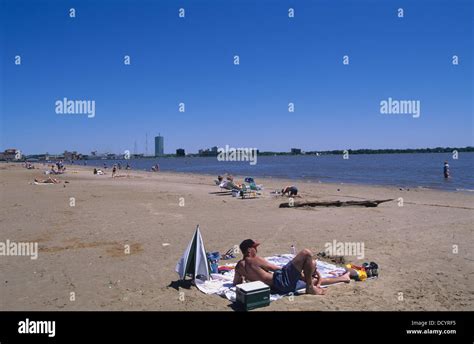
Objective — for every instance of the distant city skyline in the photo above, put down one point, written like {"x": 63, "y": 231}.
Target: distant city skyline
{"x": 117, "y": 73}
{"x": 213, "y": 151}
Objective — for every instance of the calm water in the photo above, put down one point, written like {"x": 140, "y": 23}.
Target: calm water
{"x": 404, "y": 170}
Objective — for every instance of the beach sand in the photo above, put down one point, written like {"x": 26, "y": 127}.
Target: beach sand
{"x": 81, "y": 248}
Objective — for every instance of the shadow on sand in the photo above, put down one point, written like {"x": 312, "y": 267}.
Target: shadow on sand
{"x": 186, "y": 284}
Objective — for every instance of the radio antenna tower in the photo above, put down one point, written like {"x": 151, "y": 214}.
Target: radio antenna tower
{"x": 146, "y": 144}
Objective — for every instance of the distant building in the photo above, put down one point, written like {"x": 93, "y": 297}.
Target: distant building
{"x": 180, "y": 152}
{"x": 208, "y": 152}
{"x": 9, "y": 154}
{"x": 159, "y": 145}
{"x": 71, "y": 156}
{"x": 295, "y": 151}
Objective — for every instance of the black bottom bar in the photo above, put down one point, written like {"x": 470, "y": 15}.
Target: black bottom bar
{"x": 420, "y": 327}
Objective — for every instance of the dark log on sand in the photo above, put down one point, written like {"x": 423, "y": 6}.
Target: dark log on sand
{"x": 369, "y": 204}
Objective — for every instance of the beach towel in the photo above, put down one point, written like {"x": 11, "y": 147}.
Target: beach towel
{"x": 221, "y": 284}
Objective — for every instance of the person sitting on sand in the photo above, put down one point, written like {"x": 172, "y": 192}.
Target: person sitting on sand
{"x": 290, "y": 190}
{"x": 47, "y": 181}
{"x": 219, "y": 180}
{"x": 300, "y": 273}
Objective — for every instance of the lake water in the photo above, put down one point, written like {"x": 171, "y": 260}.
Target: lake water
{"x": 403, "y": 170}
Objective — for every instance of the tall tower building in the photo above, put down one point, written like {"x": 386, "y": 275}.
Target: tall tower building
{"x": 159, "y": 145}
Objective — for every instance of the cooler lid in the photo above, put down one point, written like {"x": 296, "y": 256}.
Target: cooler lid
{"x": 252, "y": 286}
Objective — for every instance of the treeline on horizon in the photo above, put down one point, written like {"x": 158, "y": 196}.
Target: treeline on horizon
{"x": 378, "y": 151}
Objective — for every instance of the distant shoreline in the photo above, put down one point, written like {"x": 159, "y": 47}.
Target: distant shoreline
{"x": 270, "y": 153}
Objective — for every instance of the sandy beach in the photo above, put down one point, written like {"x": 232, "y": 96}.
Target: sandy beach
{"x": 81, "y": 247}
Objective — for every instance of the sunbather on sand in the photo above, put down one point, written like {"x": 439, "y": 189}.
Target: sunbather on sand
{"x": 229, "y": 185}
{"x": 47, "y": 181}
{"x": 300, "y": 273}
{"x": 98, "y": 172}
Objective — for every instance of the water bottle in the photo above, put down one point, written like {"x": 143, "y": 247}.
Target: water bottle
{"x": 293, "y": 250}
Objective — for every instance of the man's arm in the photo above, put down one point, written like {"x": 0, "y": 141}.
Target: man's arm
{"x": 265, "y": 265}
{"x": 238, "y": 279}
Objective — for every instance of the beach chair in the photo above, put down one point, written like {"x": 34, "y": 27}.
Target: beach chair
{"x": 255, "y": 187}
{"x": 246, "y": 191}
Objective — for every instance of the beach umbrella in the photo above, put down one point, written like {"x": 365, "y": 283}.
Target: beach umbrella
{"x": 194, "y": 260}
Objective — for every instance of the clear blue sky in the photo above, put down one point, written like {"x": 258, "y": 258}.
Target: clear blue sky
{"x": 190, "y": 60}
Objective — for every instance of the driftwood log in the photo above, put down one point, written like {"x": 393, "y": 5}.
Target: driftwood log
{"x": 368, "y": 203}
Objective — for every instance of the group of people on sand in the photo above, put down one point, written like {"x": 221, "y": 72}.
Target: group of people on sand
{"x": 290, "y": 190}
{"x": 115, "y": 168}
{"x": 300, "y": 273}
{"x": 57, "y": 168}
{"x": 29, "y": 166}
{"x": 229, "y": 184}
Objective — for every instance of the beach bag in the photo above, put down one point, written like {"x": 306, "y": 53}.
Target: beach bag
{"x": 213, "y": 259}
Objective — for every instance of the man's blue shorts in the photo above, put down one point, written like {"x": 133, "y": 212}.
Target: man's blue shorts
{"x": 287, "y": 280}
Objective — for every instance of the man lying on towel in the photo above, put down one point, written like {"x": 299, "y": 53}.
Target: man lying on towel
{"x": 298, "y": 274}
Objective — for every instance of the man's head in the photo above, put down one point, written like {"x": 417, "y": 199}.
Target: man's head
{"x": 249, "y": 247}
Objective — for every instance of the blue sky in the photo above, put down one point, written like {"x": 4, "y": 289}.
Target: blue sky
{"x": 190, "y": 60}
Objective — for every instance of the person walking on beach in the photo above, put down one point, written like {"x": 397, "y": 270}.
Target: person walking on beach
{"x": 446, "y": 170}
{"x": 300, "y": 273}
{"x": 114, "y": 170}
